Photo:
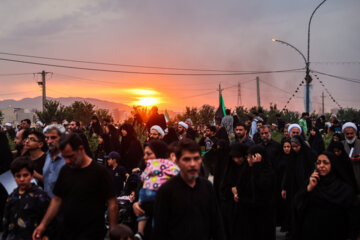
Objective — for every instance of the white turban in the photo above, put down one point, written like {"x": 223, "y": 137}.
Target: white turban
{"x": 296, "y": 126}
{"x": 349, "y": 124}
{"x": 40, "y": 123}
{"x": 183, "y": 124}
{"x": 158, "y": 129}
{"x": 8, "y": 124}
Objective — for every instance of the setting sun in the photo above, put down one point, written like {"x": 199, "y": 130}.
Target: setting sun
{"x": 147, "y": 101}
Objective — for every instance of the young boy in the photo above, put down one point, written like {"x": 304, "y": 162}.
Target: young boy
{"x": 26, "y": 205}
{"x": 117, "y": 171}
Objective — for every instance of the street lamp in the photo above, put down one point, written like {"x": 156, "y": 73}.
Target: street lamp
{"x": 307, "y": 61}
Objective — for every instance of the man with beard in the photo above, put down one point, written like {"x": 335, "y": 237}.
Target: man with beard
{"x": 74, "y": 126}
{"x": 241, "y": 135}
{"x": 19, "y": 141}
{"x": 82, "y": 191}
{"x": 209, "y": 140}
{"x": 273, "y": 148}
{"x": 156, "y": 133}
{"x": 294, "y": 129}
{"x": 25, "y": 124}
{"x": 352, "y": 148}
{"x": 182, "y": 128}
{"x": 54, "y": 160}
{"x": 185, "y": 206}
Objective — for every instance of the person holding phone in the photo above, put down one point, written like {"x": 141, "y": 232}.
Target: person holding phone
{"x": 255, "y": 197}
{"x": 327, "y": 207}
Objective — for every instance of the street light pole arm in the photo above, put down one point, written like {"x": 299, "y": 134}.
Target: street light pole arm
{"x": 308, "y": 48}
{"x": 288, "y": 44}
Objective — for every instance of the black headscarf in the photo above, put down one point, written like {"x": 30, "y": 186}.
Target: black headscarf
{"x": 256, "y": 184}
{"x": 130, "y": 136}
{"x": 339, "y": 135}
{"x": 344, "y": 166}
{"x": 331, "y": 188}
{"x": 304, "y": 161}
{"x": 222, "y": 134}
{"x": 171, "y": 136}
{"x": 232, "y": 171}
{"x": 5, "y": 153}
{"x": 316, "y": 142}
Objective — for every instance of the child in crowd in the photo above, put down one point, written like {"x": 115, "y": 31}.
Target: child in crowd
{"x": 117, "y": 171}
{"x": 159, "y": 169}
{"x": 26, "y": 205}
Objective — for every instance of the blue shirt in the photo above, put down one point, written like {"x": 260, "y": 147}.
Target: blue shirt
{"x": 51, "y": 172}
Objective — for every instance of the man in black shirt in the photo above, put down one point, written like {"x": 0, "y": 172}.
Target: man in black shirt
{"x": 185, "y": 206}
{"x": 81, "y": 191}
{"x": 273, "y": 148}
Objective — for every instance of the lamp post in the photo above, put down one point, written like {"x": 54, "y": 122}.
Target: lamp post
{"x": 307, "y": 61}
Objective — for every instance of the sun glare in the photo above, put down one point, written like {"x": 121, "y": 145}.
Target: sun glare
{"x": 147, "y": 101}
{"x": 139, "y": 91}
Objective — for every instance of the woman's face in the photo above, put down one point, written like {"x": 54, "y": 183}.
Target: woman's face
{"x": 312, "y": 132}
{"x": 123, "y": 132}
{"x": 295, "y": 147}
{"x": 238, "y": 160}
{"x": 337, "y": 151}
{"x": 323, "y": 165}
{"x": 148, "y": 154}
{"x": 336, "y": 138}
{"x": 287, "y": 148}
{"x": 101, "y": 140}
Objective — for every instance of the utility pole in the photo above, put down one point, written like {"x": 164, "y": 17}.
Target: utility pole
{"x": 258, "y": 91}
{"x": 322, "y": 103}
{"x": 43, "y": 84}
{"x": 239, "y": 103}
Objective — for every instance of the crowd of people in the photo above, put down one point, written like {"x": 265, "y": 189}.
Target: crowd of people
{"x": 230, "y": 180}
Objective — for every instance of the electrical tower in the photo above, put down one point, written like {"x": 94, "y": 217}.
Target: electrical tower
{"x": 239, "y": 102}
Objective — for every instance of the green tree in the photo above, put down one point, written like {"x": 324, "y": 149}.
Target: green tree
{"x": 103, "y": 114}
{"x": 206, "y": 114}
{"x": 1, "y": 117}
{"x": 348, "y": 114}
{"x": 81, "y": 111}
{"x": 290, "y": 116}
{"x": 242, "y": 113}
{"x": 53, "y": 110}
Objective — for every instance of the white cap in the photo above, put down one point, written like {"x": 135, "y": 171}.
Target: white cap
{"x": 8, "y": 124}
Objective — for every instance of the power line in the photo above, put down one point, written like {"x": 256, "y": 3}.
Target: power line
{"x": 337, "y": 63}
{"x": 151, "y": 73}
{"x": 127, "y": 65}
{"x": 293, "y": 95}
{"x": 354, "y": 80}
{"x": 327, "y": 91}
{"x": 282, "y": 90}
{"x": 14, "y": 74}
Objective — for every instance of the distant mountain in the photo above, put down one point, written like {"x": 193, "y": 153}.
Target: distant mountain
{"x": 36, "y": 103}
